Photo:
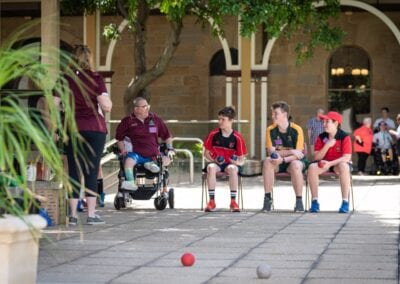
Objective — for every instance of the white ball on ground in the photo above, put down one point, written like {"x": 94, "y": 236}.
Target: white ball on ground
{"x": 264, "y": 271}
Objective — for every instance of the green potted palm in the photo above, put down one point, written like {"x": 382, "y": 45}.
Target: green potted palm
{"x": 21, "y": 131}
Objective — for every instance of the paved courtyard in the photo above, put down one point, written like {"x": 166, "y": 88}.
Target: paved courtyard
{"x": 143, "y": 245}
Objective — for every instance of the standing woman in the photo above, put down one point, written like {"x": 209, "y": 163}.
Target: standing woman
{"x": 90, "y": 100}
{"x": 363, "y": 143}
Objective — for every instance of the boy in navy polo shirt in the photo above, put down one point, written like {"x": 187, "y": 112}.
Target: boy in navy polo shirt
{"x": 225, "y": 149}
{"x": 332, "y": 152}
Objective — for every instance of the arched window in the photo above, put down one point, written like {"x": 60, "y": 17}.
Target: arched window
{"x": 349, "y": 80}
{"x": 218, "y": 64}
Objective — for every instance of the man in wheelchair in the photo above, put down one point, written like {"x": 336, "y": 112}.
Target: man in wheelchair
{"x": 383, "y": 154}
{"x": 144, "y": 129}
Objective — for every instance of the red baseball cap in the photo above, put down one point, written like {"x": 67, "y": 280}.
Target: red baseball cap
{"x": 332, "y": 115}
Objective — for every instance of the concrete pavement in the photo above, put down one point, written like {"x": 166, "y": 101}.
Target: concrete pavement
{"x": 143, "y": 245}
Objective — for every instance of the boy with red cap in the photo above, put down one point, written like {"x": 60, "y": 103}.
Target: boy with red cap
{"x": 332, "y": 152}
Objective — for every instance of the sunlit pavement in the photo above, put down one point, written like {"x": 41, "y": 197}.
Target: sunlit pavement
{"x": 143, "y": 245}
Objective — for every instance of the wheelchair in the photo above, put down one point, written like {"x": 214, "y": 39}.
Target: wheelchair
{"x": 149, "y": 184}
{"x": 382, "y": 163}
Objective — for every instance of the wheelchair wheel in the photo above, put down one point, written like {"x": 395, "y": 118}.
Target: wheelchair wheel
{"x": 171, "y": 197}
{"x": 160, "y": 202}
{"x": 119, "y": 202}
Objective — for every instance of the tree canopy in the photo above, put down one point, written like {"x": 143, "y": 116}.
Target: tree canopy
{"x": 276, "y": 17}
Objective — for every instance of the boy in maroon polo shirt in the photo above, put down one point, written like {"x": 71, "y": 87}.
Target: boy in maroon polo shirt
{"x": 143, "y": 128}
{"x": 332, "y": 152}
{"x": 225, "y": 149}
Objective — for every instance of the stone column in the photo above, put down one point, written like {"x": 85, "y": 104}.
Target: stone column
{"x": 245, "y": 101}
{"x": 50, "y": 37}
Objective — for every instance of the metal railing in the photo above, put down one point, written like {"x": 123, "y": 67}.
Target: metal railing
{"x": 190, "y": 154}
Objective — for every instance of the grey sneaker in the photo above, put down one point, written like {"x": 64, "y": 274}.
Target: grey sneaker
{"x": 267, "y": 204}
{"x": 299, "y": 206}
{"x": 152, "y": 167}
{"x": 73, "y": 221}
{"x": 95, "y": 220}
{"x": 129, "y": 185}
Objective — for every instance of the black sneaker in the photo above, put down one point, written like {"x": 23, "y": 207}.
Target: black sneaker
{"x": 73, "y": 221}
{"x": 299, "y": 206}
{"x": 267, "y": 204}
{"x": 95, "y": 220}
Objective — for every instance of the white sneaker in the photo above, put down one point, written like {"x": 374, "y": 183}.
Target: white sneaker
{"x": 129, "y": 185}
{"x": 152, "y": 167}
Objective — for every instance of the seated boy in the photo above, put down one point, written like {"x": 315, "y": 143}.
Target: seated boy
{"x": 332, "y": 153}
{"x": 226, "y": 150}
{"x": 144, "y": 129}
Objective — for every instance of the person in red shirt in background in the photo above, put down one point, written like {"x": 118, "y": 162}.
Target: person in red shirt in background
{"x": 225, "y": 149}
{"x": 363, "y": 143}
{"x": 332, "y": 153}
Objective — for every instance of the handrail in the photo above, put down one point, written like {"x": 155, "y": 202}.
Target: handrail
{"x": 191, "y": 162}
{"x": 192, "y": 121}
{"x": 191, "y": 139}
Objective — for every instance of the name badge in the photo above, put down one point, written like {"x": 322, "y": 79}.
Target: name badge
{"x": 278, "y": 141}
{"x": 152, "y": 129}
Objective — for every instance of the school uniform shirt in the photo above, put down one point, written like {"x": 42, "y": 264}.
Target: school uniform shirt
{"x": 341, "y": 147}
{"x": 143, "y": 135}
{"x": 85, "y": 89}
{"x": 383, "y": 140}
{"x": 293, "y": 138}
{"x": 219, "y": 145}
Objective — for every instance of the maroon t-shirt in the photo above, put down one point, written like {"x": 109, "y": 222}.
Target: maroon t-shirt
{"x": 85, "y": 92}
{"x": 144, "y": 135}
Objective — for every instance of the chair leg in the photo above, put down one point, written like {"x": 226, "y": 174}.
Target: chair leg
{"x": 352, "y": 193}
{"x": 307, "y": 201}
{"x": 240, "y": 193}
{"x": 203, "y": 191}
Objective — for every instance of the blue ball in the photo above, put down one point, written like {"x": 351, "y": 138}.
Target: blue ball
{"x": 274, "y": 155}
{"x": 220, "y": 159}
{"x": 234, "y": 157}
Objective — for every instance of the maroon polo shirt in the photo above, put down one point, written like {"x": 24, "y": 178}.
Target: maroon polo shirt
{"x": 144, "y": 135}
{"x": 85, "y": 89}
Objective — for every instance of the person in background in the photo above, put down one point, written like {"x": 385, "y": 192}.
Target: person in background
{"x": 332, "y": 153}
{"x": 397, "y": 135}
{"x": 383, "y": 143}
{"x": 285, "y": 148}
{"x": 315, "y": 127}
{"x": 385, "y": 118}
{"x": 91, "y": 100}
{"x": 225, "y": 149}
{"x": 363, "y": 144}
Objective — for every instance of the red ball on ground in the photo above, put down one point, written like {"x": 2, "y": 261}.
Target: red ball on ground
{"x": 187, "y": 259}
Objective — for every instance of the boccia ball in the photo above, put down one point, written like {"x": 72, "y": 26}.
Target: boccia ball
{"x": 321, "y": 164}
{"x": 234, "y": 158}
{"x": 187, "y": 259}
{"x": 220, "y": 159}
{"x": 274, "y": 155}
{"x": 264, "y": 271}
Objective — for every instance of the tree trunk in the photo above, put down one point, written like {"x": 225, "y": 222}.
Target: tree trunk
{"x": 139, "y": 83}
